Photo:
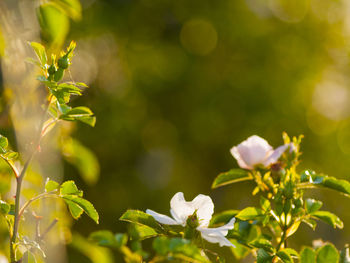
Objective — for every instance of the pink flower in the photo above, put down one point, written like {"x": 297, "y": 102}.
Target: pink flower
{"x": 257, "y": 151}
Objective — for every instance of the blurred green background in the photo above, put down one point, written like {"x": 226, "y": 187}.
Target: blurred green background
{"x": 175, "y": 84}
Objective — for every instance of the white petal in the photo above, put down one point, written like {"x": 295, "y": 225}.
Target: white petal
{"x": 204, "y": 207}
{"x": 163, "y": 219}
{"x": 180, "y": 209}
{"x": 251, "y": 152}
{"x": 217, "y": 235}
{"x": 240, "y": 161}
{"x": 276, "y": 154}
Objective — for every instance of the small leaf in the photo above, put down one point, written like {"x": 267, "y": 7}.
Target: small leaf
{"x": 263, "y": 256}
{"x": 312, "y": 205}
{"x": 250, "y": 213}
{"x": 307, "y": 255}
{"x": 293, "y": 228}
{"x": 232, "y": 176}
{"x": 69, "y": 188}
{"x": 327, "y": 254}
{"x": 51, "y": 185}
{"x": 139, "y": 217}
{"x": 40, "y": 52}
{"x": 75, "y": 210}
{"x": 3, "y": 142}
{"x": 310, "y": 222}
{"x": 329, "y": 218}
{"x": 84, "y": 204}
{"x": 82, "y": 114}
{"x": 265, "y": 203}
{"x": 263, "y": 243}
{"x": 284, "y": 256}
{"x": 106, "y": 238}
{"x": 143, "y": 232}
{"x": 4, "y": 207}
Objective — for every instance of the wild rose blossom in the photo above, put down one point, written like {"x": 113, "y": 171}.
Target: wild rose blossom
{"x": 257, "y": 151}
{"x": 203, "y": 207}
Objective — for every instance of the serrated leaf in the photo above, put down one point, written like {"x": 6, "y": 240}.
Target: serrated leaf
{"x": 75, "y": 210}
{"x": 329, "y": 218}
{"x": 263, "y": 256}
{"x": 139, "y": 217}
{"x": 144, "y": 232}
{"x": 4, "y": 207}
{"x": 250, "y": 213}
{"x": 327, "y": 254}
{"x": 40, "y": 52}
{"x": 51, "y": 185}
{"x": 307, "y": 255}
{"x": 70, "y": 188}
{"x": 106, "y": 238}
{"x": 230, "y": 177}
{"x": 88, "y": 208}
{"x": 312, "y": 205}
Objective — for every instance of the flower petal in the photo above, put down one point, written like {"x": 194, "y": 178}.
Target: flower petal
{"x": 276, "y": 154}
{"x": 163, "y": 219}
{"x": 180, "y": 209}
{"x": 251, "y": 152}
{"x": 204, "y": 207}
{"x": 217, "y": 235}
{"x": 240, "y": 161}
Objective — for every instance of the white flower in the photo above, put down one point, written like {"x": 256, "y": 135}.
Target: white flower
{"x": 203, "y": 206}
{"x": 255, "y": 150}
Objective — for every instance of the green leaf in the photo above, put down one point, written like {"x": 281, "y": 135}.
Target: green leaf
{"x": 84, "y": 204}
{"x": 4, "y": 207}
{"x": 54, "y": 24}
{"x": 106, "y": 238}
{"x": 70, "y": 188}
{"x": 232, "y": 176}
{"x": 250, "y": 213}
{"x": 312, "y": 179}
{"x": 307, "y": 255}
{"x": 10, "y": 155}
{"x": 139, "y": 217}
{"x": 239, "y": 251}
{"x": 312, "y": 205}
{"x": 329, "y": 218}
{"x": 265, "y": 203}
{"x": 75, "y": 210}
{"x": 51, "y": 185}
{"x": 223, "y": 217}
{"x": 345, "y": 255}
{"x": 178, "y": 248}
{"x": 144, "y": 232}
{"x": 263, "y": 243}
{"x": 263, "y": 256}
{"x": 82, "y": 114}
{"x": 69, "y": 88}
{"x": 40, "y": 52}
{"x": 284, "y": 256}
{"x": 71, "y": 8}
{"x": 310, "y": 222}
{"x": 82, "y": 158}
{"x": 327, "y": 254}
{"x": 3, "y": 142}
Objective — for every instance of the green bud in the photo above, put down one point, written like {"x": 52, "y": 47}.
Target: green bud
{"x": 52, "y": 69}
{"x": 59, "y": 74}
{"x": 63, "y": 62}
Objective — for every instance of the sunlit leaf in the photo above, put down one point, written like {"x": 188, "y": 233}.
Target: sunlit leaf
{"x": 263, "y": 243}
{"x": 70, "y": 188}
{"x": 232, "y": 176}
{"x": 284, "y": 256}
{"x": 223, "y": 217}
{"x": 250, "y": 213}
{"x": 312, "y": 205}
{"x": 40, "y": 52}
{"x": 51, "y": 185}
{"x": 307, "y": 255}
{"x": 4, "y": 207}
{"x": 84, "y": 204}
{"x": 263, "y": 256}
{"x": 82, "y": 114}
{"x": 327, "y": 254}
{"x": 329, "y": 218}
{"x": 139, "y": 217}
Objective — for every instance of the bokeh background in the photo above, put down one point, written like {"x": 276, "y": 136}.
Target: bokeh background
{"x": 175, "y": 84}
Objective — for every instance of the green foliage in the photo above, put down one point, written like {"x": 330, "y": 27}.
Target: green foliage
{"x": 230, "y": 177}
{"x": 307, "y": 255}
{"x": 139, "y": 217}
{"x": 106, "y": 238}
{"x": 327, "y": 254}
